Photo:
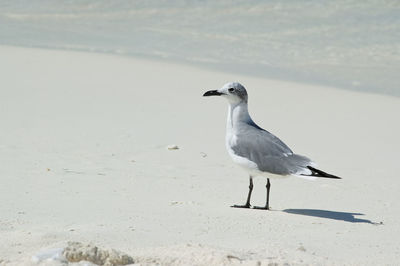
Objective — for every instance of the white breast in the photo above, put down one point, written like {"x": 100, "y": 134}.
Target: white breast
{"x": 230, "y": 141}
{"x": 242, "y": 161}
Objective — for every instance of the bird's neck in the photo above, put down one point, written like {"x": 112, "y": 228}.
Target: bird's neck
{"x": 237, "y": 113}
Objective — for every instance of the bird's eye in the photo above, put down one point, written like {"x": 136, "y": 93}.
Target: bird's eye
{"x": 231, "y": 89}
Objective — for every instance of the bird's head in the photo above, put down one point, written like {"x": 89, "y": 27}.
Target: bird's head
{"x": 233, "y": 91}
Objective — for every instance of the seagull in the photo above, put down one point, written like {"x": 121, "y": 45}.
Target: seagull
{"x": 257, "y": 150}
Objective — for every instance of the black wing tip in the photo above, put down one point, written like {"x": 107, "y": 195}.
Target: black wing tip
{"x": 318, "y": 173}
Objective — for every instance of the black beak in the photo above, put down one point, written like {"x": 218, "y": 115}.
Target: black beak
{"x": 212, "y": 93}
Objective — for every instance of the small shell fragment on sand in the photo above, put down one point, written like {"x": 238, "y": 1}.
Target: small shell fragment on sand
{"x": 172, "y": 147}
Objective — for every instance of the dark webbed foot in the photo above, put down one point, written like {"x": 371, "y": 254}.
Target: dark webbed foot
{"x": 247, "y": 206}
{"x": 267, "y": 208}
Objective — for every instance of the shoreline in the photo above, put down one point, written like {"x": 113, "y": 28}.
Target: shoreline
{"x": 278, "y": 76}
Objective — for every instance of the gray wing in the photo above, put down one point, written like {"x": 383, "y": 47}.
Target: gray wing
{"x": 268, "y": 151}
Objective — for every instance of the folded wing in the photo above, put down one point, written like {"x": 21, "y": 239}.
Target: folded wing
{"x": 269, "y": 152}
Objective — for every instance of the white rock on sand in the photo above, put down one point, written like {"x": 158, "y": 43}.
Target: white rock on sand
{"x": 79, "y": 253}
{"x": 85, "y": 116}
{"x": 76, "y": 252}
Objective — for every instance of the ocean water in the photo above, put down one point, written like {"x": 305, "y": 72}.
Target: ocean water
{"x": 350, "y": 44}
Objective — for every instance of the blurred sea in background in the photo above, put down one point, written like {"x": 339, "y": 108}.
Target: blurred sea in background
{"x": 349, "y": 44}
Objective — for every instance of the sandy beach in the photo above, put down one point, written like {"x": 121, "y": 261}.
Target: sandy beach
{"x": 84, "y": 157}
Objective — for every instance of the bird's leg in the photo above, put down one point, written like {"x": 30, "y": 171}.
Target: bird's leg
{"x": 247, "y": 205}
{"x": 268, "y": 186}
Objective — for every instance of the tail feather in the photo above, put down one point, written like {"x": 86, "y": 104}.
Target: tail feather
{"x": 319, "y": 173}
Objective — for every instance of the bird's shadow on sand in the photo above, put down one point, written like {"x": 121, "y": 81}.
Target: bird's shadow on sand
{"x": 340, "y": 216}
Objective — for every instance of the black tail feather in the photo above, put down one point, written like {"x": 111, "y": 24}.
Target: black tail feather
{"x": 319, "y": 173}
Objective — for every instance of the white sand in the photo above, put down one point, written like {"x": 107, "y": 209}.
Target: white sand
{"x": 84, "y": 158}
